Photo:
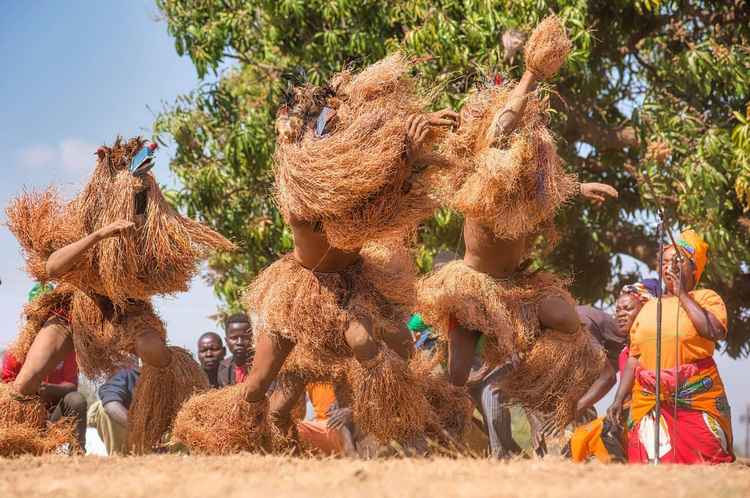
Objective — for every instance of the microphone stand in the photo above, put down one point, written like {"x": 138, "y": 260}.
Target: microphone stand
{"x": 657, "y": 411}
{"x": 662, "y": 227}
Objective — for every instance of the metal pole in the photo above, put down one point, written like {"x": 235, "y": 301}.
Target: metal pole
{"x": 657, "y": 413}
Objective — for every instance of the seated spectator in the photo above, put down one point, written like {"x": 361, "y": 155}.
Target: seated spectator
{"x": 239, "y": 336}
{"x": 110, "y": 414}
{"x": 59, "y": 391}
{"x": 211, "y": 352}
{"x": 330, "y": 430}
{"x": 601, "y": 438}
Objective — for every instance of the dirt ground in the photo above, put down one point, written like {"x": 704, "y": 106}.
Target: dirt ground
{"x": 267, "y": 477}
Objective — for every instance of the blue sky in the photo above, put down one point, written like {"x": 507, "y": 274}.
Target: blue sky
{"x": 75, "y": 75}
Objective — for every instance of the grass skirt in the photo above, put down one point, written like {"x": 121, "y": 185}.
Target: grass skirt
{"x": 158, "y": 396}
{"x": 103, "y": 335}
{"x": 221, "y": 422}
{"x": 24, "y": 428}
{"x": 555, "y": 368}
{"x": 314, "y": 309}
{"x": 388, "y": 400}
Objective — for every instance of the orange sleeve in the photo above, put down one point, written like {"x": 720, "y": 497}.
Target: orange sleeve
{"x": 713, "y": 303}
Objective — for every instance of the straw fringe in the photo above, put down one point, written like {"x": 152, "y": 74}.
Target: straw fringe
{"x": 548, "y": 48}
{"x": 388, "y": 401}
{"x": 104, "y": 335}
{"x": 221, "y": 422}
{"x": 41, "y": 225}
{"x": 513, "y": 184}
{"x": 36, "y": 315}
{"x": 24, "y": 428}
{"x": 356, "y": 180}
{"x": 452, "y": 406}
{"x": 554, "y": 374}
{"x": 158, "y": 396}
{"x": 160, "y": 256}
{"x": 314, "y": 309}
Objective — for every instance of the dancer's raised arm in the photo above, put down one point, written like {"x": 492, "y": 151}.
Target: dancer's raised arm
{"x": 62, "y": 260}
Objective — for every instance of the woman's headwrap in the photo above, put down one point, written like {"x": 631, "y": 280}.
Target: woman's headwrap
{"x": 694, "y": 247}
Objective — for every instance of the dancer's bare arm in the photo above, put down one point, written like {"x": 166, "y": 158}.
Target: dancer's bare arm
{"x": 53, "y": 393}
{"x": 62, "y": 260}
{"x": 507, "y": 119}
{"x": 598, "y": 192}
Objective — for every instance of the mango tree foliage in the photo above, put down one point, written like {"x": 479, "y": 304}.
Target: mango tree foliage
{"x": 653, "y": 89}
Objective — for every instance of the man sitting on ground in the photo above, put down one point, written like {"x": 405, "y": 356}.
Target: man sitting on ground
{"x": 239, "y": 337}
{"x": 211, "y": 352}
{"x": 110, "y": 414}
{"x": 59, "y": 391}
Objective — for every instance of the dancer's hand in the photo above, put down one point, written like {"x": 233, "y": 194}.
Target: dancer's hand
{"x": 598, "y": 192}
{"x": 445, "y": 117}
{"x": 339, "y": 417}
{"x": 417, "y": 128}
{"x": 114, "y": 228}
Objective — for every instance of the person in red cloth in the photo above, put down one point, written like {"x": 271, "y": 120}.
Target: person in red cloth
{"x": 239, "y": 338}
{"x": 695, "y": 424}
{"x": 59, "y": 391}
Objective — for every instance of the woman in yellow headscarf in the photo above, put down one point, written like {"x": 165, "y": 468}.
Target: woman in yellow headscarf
{"x": 695, "y": 424}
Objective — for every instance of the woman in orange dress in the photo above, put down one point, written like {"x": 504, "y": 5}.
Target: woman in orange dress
{"x": 695, "y": 424}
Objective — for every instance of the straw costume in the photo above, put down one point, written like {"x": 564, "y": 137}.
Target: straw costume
{"x": 105, "y": 298}
{"x": 341, "y": 166}
{"x": 24, "y": 428}
{"x": 509, "y": 180}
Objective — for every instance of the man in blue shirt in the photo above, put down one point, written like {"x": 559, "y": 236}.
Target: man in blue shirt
{"x": 110, "y": 414}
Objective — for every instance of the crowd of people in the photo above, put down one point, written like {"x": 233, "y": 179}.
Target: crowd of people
{"x": 360, "y": 162}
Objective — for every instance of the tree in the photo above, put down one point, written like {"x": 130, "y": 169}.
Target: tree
{"x": 653, "y": 89}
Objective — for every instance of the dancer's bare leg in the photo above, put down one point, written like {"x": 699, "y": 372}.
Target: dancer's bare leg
{"x": 359, "y": 337}
{"x": 51, "y": 345}
{"x": 152, "y": 349}
{"x": 401, "y": 342}
{"x": 462, "y": 345}
{"x": 270, "y": 353}
{"x": 283, "y": 399}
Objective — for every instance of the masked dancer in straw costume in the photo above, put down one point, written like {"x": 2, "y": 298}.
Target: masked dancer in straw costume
{"x": 508, "y": 184}
{"x": 350, "y": 173}
{"x": 110, "y": 249}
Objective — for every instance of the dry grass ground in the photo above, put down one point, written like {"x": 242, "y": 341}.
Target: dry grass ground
{"x": 267, "y": 477}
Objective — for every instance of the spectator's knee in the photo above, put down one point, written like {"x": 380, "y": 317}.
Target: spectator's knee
{"x": 75, "y": 402}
